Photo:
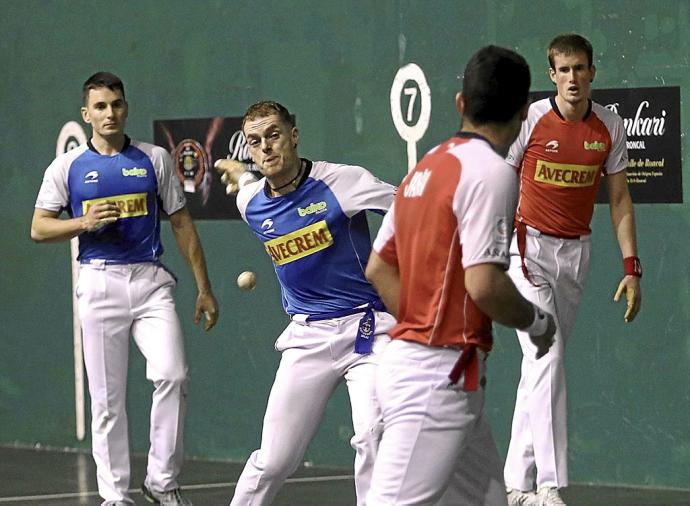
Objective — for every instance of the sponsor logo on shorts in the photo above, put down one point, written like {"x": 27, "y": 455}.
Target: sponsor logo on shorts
{"x": 313, "y": 208}
{"x": 135, "y": 172}
{"x": 563, "y": 174}
{"x": 300, "y": 243}
{"x": 131, "y": 204}
{"x": 595, "y": 146}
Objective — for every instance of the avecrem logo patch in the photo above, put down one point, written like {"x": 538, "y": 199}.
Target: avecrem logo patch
{"x": 300, "y": 243}
{"x": 131, "y": 204}
{"x": 564, "y": 174}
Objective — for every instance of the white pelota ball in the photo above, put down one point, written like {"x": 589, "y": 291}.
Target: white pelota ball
{"x": 246, "y": 280}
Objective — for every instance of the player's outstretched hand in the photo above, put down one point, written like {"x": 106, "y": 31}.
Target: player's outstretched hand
{"x": 631, "y": 286}
{"x": 231, "y": 171}
{"x": 544, "y": 340}
{"x": 207, "y": 305}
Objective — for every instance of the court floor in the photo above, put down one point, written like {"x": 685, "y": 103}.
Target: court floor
{"x": 43, "y": 477}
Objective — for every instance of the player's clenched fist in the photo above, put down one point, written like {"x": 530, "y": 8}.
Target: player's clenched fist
{"x": 234, "y": 174}
{"x": 100, "y": 214}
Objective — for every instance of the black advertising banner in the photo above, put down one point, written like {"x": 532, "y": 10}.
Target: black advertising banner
{"x": 195, "y": 145}
{"x": 652, "y": 123}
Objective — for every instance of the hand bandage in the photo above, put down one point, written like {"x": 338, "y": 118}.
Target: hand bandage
{"x": 539, "y": 325}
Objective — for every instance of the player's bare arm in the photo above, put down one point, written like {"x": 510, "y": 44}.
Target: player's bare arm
{"x": 495, "y": 294}
{"x": 190, "y": 247}
{"x": 623, "y": 221}
{"x": 46, "y": 226}
{"x": 386, "y": 279}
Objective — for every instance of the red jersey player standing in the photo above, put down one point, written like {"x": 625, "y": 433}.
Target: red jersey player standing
{"x": 566, "y": 145}
{"x": 439, "y": 265}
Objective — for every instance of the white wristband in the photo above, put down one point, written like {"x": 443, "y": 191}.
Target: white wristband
{"x": 539, "y": 324}
{"x": 245, "y": 179}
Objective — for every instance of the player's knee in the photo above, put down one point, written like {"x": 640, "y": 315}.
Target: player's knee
{"x": 173, "y": 375}
{"x": 276, "y": 465}
{"x": 104, "y": 417}
{"x": 170, "y": 384}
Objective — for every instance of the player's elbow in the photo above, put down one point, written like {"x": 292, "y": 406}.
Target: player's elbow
{"x": 480, "y": 283}
{"x": 36, "y": 235}
{"x": 481, "y": 294}
{"x": 376, "y": 270}
{"x": 370, "y": 273}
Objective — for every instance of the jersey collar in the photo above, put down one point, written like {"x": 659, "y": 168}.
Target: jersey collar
{"x": 128, "y": 141}
{"x": 557, "y": 111}
{"x": 473, "y": 135}
{"x": 305, "y": 175}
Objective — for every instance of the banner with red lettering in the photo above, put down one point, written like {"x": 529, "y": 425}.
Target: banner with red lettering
{"x": 195, "y": 145}
{"x": 652, "y": 123}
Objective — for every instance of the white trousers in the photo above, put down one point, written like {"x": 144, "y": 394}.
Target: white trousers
{"x": 116, "y": 301}
{"x": 316, "y": 357}
{"x": 436, "y": 448}
{"x": 538, "y": 450}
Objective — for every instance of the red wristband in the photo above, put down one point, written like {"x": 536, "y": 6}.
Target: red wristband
{"x": 632, "y": 266}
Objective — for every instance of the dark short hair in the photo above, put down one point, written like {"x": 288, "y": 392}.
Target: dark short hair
{"x": 102, "y": 80}
{"x": 268, "y": 108}
{"x": 568, "y": 43}
{"x": 495, "y": 85}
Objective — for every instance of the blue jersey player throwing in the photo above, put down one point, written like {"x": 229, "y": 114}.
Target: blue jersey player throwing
{"x": 310, "y": 216}
{"x": 114, "y": 189}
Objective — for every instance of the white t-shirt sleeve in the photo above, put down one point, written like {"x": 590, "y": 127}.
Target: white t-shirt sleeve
{"x": 536, "y": 111}
{"x": 54, "y": 192}
{"x": 484, "y": 204}
{"x": 355, "y": 187}
{"x": 617, "y": 160}
{"x": 169, "y": 186}
{"x": 247, "y": 191}
{"x": 517, "y": 149}
{"x": 385, "y": 238}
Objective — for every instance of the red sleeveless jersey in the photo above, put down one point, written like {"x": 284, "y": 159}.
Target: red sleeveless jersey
{"x": 453, "y": 211}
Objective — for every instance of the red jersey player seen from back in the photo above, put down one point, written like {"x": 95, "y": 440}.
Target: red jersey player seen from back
{"x": 439, "y": 264}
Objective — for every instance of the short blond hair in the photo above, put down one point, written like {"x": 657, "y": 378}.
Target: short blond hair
{"x": 268, "y": 108}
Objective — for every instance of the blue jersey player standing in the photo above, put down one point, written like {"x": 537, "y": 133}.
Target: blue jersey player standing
{"x": 311, "y": 219}
{"x": 114, "y": 189}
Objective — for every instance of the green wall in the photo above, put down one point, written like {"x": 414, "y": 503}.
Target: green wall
{"x": 333, "y": 64}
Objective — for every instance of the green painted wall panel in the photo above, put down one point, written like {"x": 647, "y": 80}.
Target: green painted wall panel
{"x": 333, "y": 64}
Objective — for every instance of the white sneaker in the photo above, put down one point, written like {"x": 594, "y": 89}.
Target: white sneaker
{"x": 520, "y": 498}
{"x": 549, "y": 496}
{"x": 169, "y": 498}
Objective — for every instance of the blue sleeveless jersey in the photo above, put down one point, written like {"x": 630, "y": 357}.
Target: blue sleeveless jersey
{"x": 317, "y": 236}
{"x": 139, "y": 179}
